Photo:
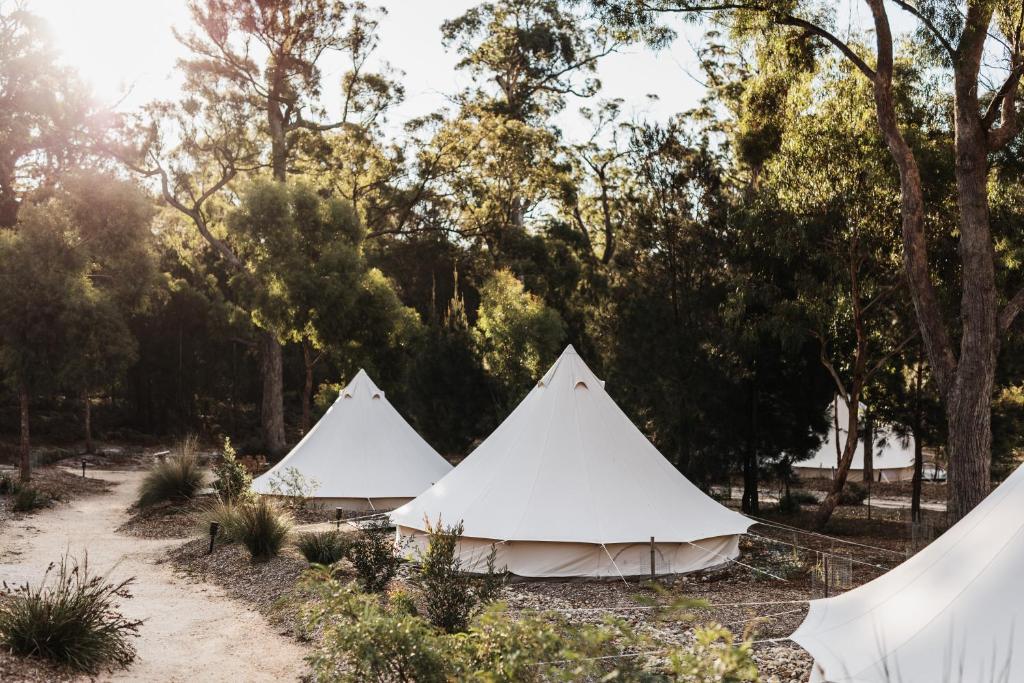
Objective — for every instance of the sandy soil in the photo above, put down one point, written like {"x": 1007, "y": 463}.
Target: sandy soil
{"x": 192, "y": 632}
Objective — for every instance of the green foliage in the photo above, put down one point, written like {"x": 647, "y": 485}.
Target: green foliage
{"x": 227, "y": 517}
{"x": 373, "y": 554}
{"x": 262, "y": 527}
{"x": 28, "y": 498}
{"x": 7, "y": 483}
{"x": 294, "y": 487}
{"x": 177, "y": 478}
{"x": 322, "y": 547}
{"x": 517, "y": 334}
{"x": 715, "y": 658}
{"x": 365, "y": 639}
{"x": 791, "y": 502}
{"x": 71, "y": 619}
{"x": 451, "y": 596}
{"x": 232, "y": 479}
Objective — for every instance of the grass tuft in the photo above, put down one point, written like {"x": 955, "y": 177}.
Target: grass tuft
{"x": 322, "y": 547}
{"x": 262, "y": 526}
{"x": 177, "y": 479}
{"x": 72, "y": 620}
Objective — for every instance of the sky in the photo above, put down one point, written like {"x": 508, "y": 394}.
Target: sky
{"x": 121, "y": 46}
{"x": 127, "y": 46}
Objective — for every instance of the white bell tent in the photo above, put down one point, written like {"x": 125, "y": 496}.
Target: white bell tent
{"x": 361, "y": 455}
{"x": 892, "y": 457}
{"x": 953, "y": 612}
{"x": 568, "y": 486}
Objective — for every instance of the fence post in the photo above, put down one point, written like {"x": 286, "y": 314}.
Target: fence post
{"x": 652, "y": 558}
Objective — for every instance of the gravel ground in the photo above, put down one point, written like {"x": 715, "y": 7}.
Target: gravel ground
{"x": 269, "y": 587}
{"x": 164, "y": 520}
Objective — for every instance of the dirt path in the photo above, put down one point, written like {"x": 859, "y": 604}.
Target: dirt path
{"x": 193, "y": 632}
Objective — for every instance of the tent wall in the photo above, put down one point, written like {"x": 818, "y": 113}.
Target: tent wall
{"x": 540, "y": 559}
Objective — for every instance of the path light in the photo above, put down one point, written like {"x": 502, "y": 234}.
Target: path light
{"x": 214, "y": 528}
{"x": 83, "y": 468}
{"x": 337, "y": 518}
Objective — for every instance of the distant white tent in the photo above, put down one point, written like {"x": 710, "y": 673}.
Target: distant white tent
{"x": 892, "y": 457}
{"x": 361, "y": 455}
{"x": 953, "y": 612}
{"x": 568, "y": 486}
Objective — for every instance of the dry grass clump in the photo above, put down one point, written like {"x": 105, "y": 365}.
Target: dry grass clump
{"x": 176, "y": 479}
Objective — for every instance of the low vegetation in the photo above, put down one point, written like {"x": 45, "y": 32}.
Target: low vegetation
{"x": 176, "y": 479}
{"x": 258, "y": 523}
{"x": 372, "y": 554}
{"x": 322, "y": 547}
{"x": 232, "y": 479}
{"x": 28, "y": 498}
{"x": 72, "y": 620}
{"x": 367, "y": 638}
{"x": 451, "y": 597}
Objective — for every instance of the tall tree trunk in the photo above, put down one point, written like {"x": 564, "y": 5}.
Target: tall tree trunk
{"x": 869, "y": 455}
{"x": 751, "y": 502}
{"x": 24, "y": 447}
{"x": 272, "y": 407}
{"x": 917, "y": 429}
{"x": 307, "y": 388}
{"x": 87, "y": 423}
{"x": 828, "y": 505}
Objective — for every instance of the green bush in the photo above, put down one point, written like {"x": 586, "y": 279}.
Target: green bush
{"x": 232, "y": 479}
{"x": 322, "y": 547}
{"x": 7, "y": 483}
{"x": 372, "y": 553}
{"x": 73, "y": 622}
{"x": 27, "y": 498}
{"x": 293, "y": 487}
{"x": 263, "y": 527}
{"x": 853, "y": 494}
{"x": 176, "y": 479}
{"x": 451, "y": 596}
{"x": 364, "y": 639}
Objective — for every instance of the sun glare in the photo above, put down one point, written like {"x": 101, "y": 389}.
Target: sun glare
{"x": 123, "y": 48}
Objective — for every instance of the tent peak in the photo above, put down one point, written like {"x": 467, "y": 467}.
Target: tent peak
{"x": 361, "y": 383}
{"x": 569, "y": 351}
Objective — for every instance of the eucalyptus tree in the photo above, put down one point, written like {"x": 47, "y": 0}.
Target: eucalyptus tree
{"x": 46, "y": 113}
{"x": 961, "y": 36}
{"x": 253, "y": 99}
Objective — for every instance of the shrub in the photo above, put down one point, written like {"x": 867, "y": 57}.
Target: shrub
{"x": 294, "y": 487}
{"x": 372, "y": 553}
{"x": 322, "y": 547}
{"x": 7, "y": 483}
{"x": 365, "y": 641}
{"x": 177, "y": 479}
{"x": 233, "y": 479}
{"x": 451, "y": 596}
{"x": 74, "y": 621}
{"x": 714, "y": 657}
{"x": 27, "y": 498}
{"x": 262, "y": 527}
{"x": 852, "y": 494}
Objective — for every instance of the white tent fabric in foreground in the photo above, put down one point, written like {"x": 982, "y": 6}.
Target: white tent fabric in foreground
{"x": 892, "y": 457}
{"x": 954, "y": 612}
{"x": 361, "y": 455}
{"x": 568, "y": 486}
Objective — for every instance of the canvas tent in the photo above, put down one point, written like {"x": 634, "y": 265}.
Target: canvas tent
{"x": 892, "y": 456}
{"x": 361, "y": 455}
{"x": 568, "y": 486}
{"x": 953, "y": 612}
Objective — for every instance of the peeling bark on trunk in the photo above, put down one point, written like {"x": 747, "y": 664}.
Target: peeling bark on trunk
{"x": 24, "y": 446}
{"x": 272, "y": 407}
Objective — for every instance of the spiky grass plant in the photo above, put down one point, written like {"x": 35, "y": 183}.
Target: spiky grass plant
{"x": 322, "y": 547}
{"x": 70, "y": 618}
{"x": 176, "y": 479}
{"x": 263, "y": 527}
